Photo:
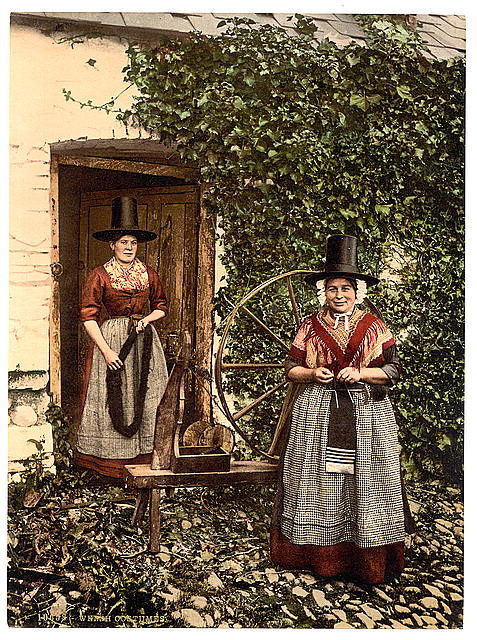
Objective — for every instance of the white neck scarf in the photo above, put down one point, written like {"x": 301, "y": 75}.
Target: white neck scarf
{"x": 345, "y": 317}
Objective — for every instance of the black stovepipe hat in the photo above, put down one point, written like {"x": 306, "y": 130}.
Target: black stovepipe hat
{"x": 341, "y": 261}
{"x": 124, "y": 222}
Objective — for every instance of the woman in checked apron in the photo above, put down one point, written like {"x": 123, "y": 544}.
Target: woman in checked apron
{"x": 341, "y": 507}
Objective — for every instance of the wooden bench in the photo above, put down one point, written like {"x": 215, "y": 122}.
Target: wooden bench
{"x": 149, "y": 483}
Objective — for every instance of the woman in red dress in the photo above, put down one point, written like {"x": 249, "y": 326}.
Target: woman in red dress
{"x": 127, "y": 372}
{"x": 341, "y": 506}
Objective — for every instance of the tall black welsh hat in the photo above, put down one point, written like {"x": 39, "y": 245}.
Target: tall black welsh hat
{"x": 124, "y": 221}
{"x": 341, "y": 261}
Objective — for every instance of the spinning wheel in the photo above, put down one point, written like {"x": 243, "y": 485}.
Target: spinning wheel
{"x": 257, "y": 416}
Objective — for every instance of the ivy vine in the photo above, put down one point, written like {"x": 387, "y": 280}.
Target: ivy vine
{"x": 298, "y": 139}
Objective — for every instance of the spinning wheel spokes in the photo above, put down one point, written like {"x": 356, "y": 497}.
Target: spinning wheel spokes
{"x": 291, "y": 293}
{"x": 257, "y": 401}
{"x": 264, "y": 328}
{"x": 288, "y": 326}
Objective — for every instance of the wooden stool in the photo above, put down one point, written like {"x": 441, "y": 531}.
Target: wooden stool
{"x": 149, "y": 482}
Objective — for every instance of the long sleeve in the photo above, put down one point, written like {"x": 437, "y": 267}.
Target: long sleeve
{"x": 297, "y": 354}
{"x": 290, "y": 363}
{"x": 391, "y": 365}
{"x": 92, "y": 297}
{"x": 157, "y": 297}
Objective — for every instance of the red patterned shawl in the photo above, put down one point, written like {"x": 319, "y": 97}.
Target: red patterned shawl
{"x": 132, "y": 277}
{"x": 319, "y": 345}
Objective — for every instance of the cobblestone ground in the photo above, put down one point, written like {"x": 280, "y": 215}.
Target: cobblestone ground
{"x": 428, "y": 595}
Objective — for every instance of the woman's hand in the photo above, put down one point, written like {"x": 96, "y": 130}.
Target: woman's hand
{"x": 141, "y": 325}
{"x": 112, "y": 359}
{"x": 350, "y": 375}
{"x": 323, "y": 375}
{"x": 157, "y": 314}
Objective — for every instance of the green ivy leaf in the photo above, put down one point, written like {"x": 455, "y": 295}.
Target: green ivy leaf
{"x": 404, "y": 92}
{"x": 239, "y": 103}
{"x": 358, "y": 101}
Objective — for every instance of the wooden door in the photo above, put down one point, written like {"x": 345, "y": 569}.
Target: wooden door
{"x": 172, "y": 213}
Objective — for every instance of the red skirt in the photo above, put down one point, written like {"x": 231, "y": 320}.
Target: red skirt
{"x": 112, "y": 468}
{"x": 372, "y": 565}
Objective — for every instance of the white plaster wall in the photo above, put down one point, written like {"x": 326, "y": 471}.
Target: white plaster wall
{"x": 40, "y": 115}
{"x": 40, "y": 69}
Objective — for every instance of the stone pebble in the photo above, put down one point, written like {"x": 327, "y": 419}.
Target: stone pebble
{"x": 309, "y": 613}
{"x": 429, "y": 602}
{"x": 340, "y": 614}
{"x": 368, "y": 622}
{"x": 396, "y": 624}
{"x": 440, "y": 617}
{"x": 434, "y": 591}
{"x": 446, "y": 608}
{"x": 319, "y": 598}
{"x": 373, "y": 613}
{"x": 381, "y": 594}
{"x": 193, "y": 618}
{"x": 401, "y": 609}
{"x": 418, "y": 619}
{"x": 456, "y": 597}
{"x": 199, "y": 602}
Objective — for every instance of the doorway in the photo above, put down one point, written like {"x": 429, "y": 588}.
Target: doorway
{"x": 167, "y": 205}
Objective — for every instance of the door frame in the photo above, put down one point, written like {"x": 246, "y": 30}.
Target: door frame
{"x": 205, "y": 268}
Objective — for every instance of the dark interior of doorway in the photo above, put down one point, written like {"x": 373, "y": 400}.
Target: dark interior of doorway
{"x": 73, "y": 181}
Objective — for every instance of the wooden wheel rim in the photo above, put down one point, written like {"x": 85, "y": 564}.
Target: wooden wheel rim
{"x": 218, "y": 359}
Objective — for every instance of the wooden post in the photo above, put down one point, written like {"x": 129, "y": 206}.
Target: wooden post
{"x": 143, "y": 477}
{"x": 141, "y": 504}
{"x": 166, "y": 420}
{"x": 155, "y": 521}
{"x": 132, "y": 166}
{"x": 167, "y": 415}
{"x": 205, "y": 310}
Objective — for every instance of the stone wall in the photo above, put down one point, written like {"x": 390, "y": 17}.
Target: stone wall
{"x": 28, "y": 401}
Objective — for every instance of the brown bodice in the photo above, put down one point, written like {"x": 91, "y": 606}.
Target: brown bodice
{"x": 97, "y": 291}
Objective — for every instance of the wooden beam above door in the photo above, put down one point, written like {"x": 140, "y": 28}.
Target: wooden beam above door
{"x": 131, "y": 166}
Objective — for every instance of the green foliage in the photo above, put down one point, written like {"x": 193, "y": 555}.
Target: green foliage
{"x": 38, "y": 478}
{"x": 298, "y": 139}
{"x": 62, "y": 449}
{"x": 35, "y": 478}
